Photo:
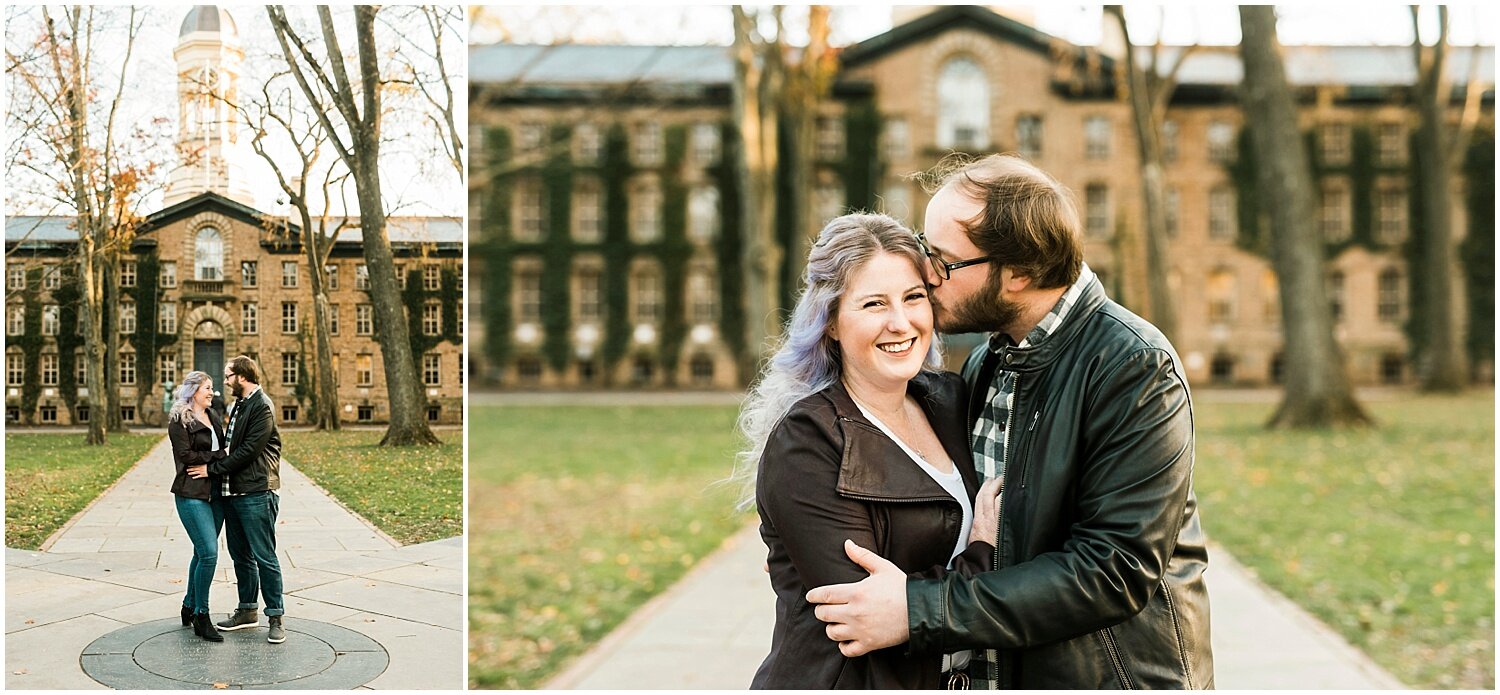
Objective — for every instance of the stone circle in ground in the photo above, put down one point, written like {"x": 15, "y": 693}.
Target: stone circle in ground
{"x": 163, "y": 654}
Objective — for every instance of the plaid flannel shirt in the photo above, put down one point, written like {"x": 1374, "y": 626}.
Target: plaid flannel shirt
{"x": 991, "y": 429}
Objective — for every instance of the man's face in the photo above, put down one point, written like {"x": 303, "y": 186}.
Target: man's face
{"x": 970, "y": 300}
{"x": 233, "y": 383}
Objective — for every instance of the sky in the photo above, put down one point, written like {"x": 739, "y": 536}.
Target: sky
{"x": 1213, "y": 23}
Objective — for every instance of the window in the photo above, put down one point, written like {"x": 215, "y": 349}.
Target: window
{"x": 127, "y": 369}
{"x": 127, "y": 273}
{"x": 432, "y": 371}
{"x": 15, "y": 320}
{"x": 1221, "y": 295}
{"x": 895, "y": 139}
{"x": 704, "y": 300}
{"x": 963, "y": 105}
{"x": 15, "y": 367}
{"x": 50, "y": 319}
{"x": 168, "y": 274}
{"x": 12, "y": 414}
{"x": 249, "y": 318}
{"x": 289, "y": 273}
{"x": 1391, "y": 143}
{"x": 432, "y": 277}
{"x": 51, "y": 277}
{"x": 1221, "y": 141}
{"x": 533, "y": 221}
{"x": 289, "y": 413}
{"x": 49, "y": 369}
{"x": 127, "y": 413}
{"x": 1390, "y": 226}
{"x": 1336, "y": 295}
{"x": 1222, "y": 369}
{"x": 49, "y": 414}
{"x": 166, "y": 367}
{"x": 288, "y": 317}
{"x": 1029, "y": 136}
{"x": 1096, "y": 137}
{"x": 401, "y": 275}
{"x": 703, "y": 213}
{"x": 127, "y": 318}
{"x": 330, "y": 277}
{"x": 1334, "y": 217}
{"x": 1096, "y": 204}
{"x": 83, "y": 415}
{"x": 15, "y": 277}
{"x": 645, "y": 212}
{"x": 208, "y": 255}
{"x": 529, "y": 139}
{"x": 80, "y": 367}
{"x": 588, "y": 371}
{"x": 646, "y": 143}
{"x": 643, "y": 371}
{"x": 647, "y": 294}
{"x": 333, "y": 320}
{"x": 529, "y": 294}
{"x": 1278, "y": 368}
{"x": 706, "y": 144}
{"x": 166, "y": 320}
{"x": 528, "y": 370}
{"x": 588, "y": 308}
{"x": 434, "y": 412}
{"x": 1173, "y": 202}
{"x": 289, "y": 368}
{"x": 364, "y": 319}
{"x": 1392, "y": 368}
{"x": 1388, "y": 299}
{"x": 830, "y": 138}
{"x": 1221, "y": 222}
{"x": 702, "y": 370}
{"x": 1169, "y": 141}
{"x": 432, "y": 318}
{"x": 364, "y": 370}
{"x": 587, "y": 143}
{"x": 588, "y": 207}
{"x": 1333, "y": 142}
{"x": 249, "y": 273}
{"x": 361, "y": 277}
{"x": 365, "y": 413}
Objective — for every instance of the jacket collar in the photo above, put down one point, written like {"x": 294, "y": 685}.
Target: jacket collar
{"x": 875, "y": 467}
{"x": 1036, "y": 357}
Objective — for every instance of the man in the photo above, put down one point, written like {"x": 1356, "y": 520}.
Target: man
{"x": 1081, "y": 410}
{"x": 251, "y": 475}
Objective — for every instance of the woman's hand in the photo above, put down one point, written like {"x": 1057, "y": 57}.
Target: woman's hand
{"x": 986, "y": 513}
{"x": 200, "y": 471}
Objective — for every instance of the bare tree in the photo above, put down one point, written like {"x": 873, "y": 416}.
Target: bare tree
{"x": 84, "y": 164}
{"x": 357, "y": 103}
{"x": 1149, "y": 88}
{"x": 758, "y": 79}
{"x": 1441, "y": 363}
{"x": 808, "y": 80}
{"x": 435, "y": 84}
{"x": 1317, "y": 388}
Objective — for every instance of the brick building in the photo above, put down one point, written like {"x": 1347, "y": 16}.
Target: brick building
{"x": 209, "y": 277}
{"x": 607, "y": 237}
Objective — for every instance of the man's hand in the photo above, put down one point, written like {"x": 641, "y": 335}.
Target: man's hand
{"x": 986, "y": 513}
{"x": 199, "y": 471}
{"x": 869, "y": 614}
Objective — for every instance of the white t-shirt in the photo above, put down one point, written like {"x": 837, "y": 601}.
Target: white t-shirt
{"x": 952, "y": 481}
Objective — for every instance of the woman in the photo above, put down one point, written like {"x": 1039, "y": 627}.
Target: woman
{"x": 193, "y": 428}
{"x": 854, "y": 435}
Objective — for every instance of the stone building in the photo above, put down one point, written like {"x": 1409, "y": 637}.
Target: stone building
{"x": 209, "y": 276}
{"x": 606, "y": 236}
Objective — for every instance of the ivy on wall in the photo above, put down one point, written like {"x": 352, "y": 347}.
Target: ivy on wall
{"x": 30, "y": 341}
{"x": 557, "y": 247}
{"x": 415, "y": 296}
{"x": 69, "y": 339}
{"x": 1478, "y": 248}
{"x": 147, "y": 339}
{"x": 731, "y": 273}
{"x": 862, "y": 166}
{"x": 615, "y": 172}
{"x": 495, "y": 213}
{"x": 673, "y": 250}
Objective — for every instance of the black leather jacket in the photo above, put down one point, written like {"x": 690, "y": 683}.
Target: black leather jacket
{"x": 193, "y": 445}
{"x": 254, "y": 461}
{"x": 1099, "y": 566}
{"x": 828, "y": 474}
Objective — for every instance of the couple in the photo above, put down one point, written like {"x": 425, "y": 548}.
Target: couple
{"x": 227, "y": 478}
{"x": 1029, "y": 524}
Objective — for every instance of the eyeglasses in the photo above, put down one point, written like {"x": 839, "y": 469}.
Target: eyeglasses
{"x": 943, "y": 268}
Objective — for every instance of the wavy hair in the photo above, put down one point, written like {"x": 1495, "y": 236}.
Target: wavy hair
{"x": 184, "y": 401}
{"x": 806, "y": 359}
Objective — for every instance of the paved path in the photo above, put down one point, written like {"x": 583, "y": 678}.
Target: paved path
{"x": 123, "y": 560}
{"x": 712, "y": 629}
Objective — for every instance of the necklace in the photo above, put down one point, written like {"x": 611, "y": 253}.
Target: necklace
{"x": 906, "y": 432}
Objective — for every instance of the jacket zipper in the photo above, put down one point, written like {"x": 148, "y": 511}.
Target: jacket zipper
{"x": 993, "y": 655}
{"x": 1108, "y": 638}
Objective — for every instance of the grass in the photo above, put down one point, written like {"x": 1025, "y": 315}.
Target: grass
{"x": 414, "y": 494}
{"x": 577, "y": 517}
{"x": 51, "y": 477}
{"x": 1387, "y": 535}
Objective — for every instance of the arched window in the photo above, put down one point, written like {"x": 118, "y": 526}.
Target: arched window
{"x": 208, "y": 254}
{"x": 963, "y": 105}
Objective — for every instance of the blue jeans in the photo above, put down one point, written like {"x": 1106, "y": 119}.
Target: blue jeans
{"x": 250, "y": 531}
{"x": 202, "y": 519}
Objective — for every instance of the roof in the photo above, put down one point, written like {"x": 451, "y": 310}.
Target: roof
{"x": 54, "y": 229}
{"x": 38, "y": 228}
{"x": 581, "y": 65}
{"x": 207, "y": 18}
{"x": 1364, "y": 66}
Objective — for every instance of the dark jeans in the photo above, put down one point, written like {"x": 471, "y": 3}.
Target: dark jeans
{"x": 202, "y": 519}
{"x": 250, "y": 531}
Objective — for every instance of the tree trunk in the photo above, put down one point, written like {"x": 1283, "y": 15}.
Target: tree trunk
{"x": 325, "y": 415}
{"x": 1317, "y": 388}
{"x": 1441, "y": 363}
{"x": 808, "y": 84}
{"x": 755, "y": 86}
{"x": 109, "y": 283}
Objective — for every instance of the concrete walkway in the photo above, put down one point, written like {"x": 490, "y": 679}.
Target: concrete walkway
{"x": 712, "y": 629}
{"x": 123, "y": 561}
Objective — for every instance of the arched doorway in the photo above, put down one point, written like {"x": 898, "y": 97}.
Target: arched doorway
{"x": 208, "y": 356}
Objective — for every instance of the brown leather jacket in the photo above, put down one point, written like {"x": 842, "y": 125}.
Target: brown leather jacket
{"x": 828, "y": 474}
{"x": 193, "y": 446}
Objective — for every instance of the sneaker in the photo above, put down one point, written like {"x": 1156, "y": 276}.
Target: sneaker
{"x": 277, "y": 635}
{"x": 242, "y": 618}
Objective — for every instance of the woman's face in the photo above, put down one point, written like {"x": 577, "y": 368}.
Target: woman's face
{"x": 884, "y": 325}
{"x": 205, "y": 395}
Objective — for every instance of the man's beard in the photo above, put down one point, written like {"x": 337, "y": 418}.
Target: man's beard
{"x": 985, "y": 312}
{"x": 234, "y": 390}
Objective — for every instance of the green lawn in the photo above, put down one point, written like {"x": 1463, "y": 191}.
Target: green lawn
{"x": 1386, "y": 535}
{"x": 51, "y": 477}
{"x": 578, "y": 516}
{"x": 415, "y": 494}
